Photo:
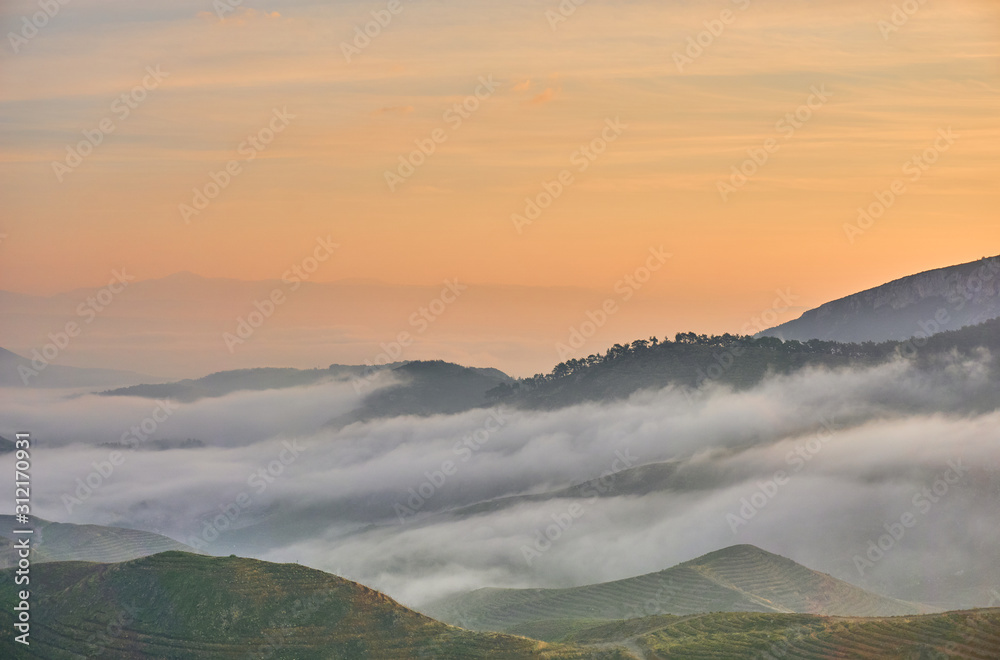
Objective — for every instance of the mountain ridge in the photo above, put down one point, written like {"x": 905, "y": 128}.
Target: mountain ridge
{"x": 19, "y": 371}
{"x": 949, "y": 297}
{"x": 739, "y": 578}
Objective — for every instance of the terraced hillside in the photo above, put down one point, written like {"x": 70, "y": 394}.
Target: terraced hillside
{"x": 179, "y": 605}
{"x": 741, "y": 578}
{"x": 68, "y": 542}
{"x": 974, "y": 635}
{"x": 8, "y": 554}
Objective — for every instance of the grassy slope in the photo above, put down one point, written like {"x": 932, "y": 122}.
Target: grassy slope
{"x": 973, "y": 634}
{"x": 738, "y": 579}
{"x": 69, "y": 542}
{"x": 193, "y": 606}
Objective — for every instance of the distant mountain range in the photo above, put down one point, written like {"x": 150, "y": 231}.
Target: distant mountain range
{"x": 741, "y": 578}
{"x": 20, "y": 371}
{"x": 174, "y": 326}
{"x": 240, "y": 380}
{"x": 401, "y": 388}
{"x": 691, "y": 362}
{"x": 938, "y": 300}
{"x": 923, "y": 304}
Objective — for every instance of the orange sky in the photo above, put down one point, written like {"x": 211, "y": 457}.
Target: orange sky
{"x": 655, "y": 185}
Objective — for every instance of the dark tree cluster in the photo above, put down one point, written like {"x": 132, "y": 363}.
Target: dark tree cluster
{"x": 690, "y": 355}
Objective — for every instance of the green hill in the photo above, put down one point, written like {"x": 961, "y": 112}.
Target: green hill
{"x": 741, "y": 578}
{"x": 179, "y": 605}
{"x": 737, "y": 636}
{"x": 68, "y": 542}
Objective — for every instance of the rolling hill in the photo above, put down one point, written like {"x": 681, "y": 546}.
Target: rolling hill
{"x": 427, "y": 388}
{"x": 401, "y": 388}
{"x": 54, "y": 541}
{"x": 973, "y": 635}
{"x": 741, "y": 578}
{"x": 967, "y": 294}
{"x": 227, "y": 382}
{"x": 178, "y": 605}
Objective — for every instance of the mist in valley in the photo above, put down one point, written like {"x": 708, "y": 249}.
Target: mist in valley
{"x": 815, "y": 466}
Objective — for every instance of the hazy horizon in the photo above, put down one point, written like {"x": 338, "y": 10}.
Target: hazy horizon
{"x": 297, "y": 336}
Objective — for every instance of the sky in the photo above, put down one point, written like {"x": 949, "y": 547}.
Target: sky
{"x": 624, "y": 120}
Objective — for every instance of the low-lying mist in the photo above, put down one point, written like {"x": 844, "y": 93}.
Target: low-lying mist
{"x": 821, "y": 466}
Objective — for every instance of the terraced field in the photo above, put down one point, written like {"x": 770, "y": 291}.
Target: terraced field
{"x": 69, "y": 542}
{"x": 973, "y": 635}
{"x": 738, "y": 579}
{"x": 179, "y": 605}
